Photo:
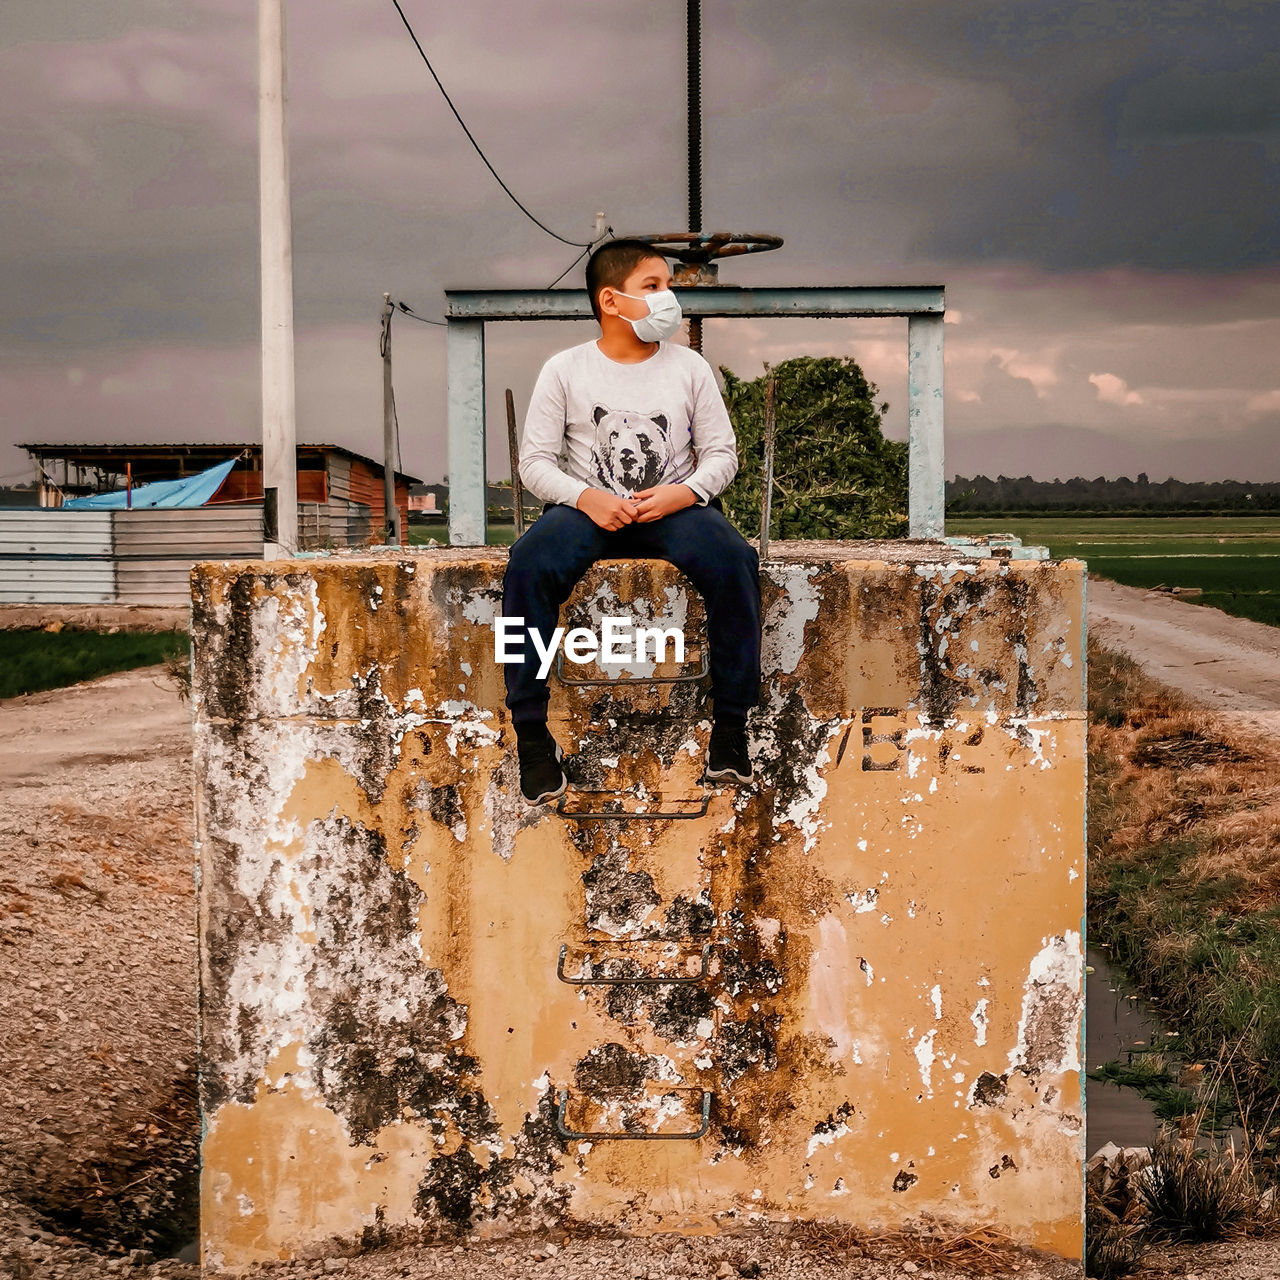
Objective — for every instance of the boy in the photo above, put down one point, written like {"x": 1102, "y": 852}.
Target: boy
{"x": 647, "y": 448}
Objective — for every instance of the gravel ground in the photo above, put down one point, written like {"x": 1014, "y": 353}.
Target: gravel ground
{"x": 98, "y": 1124}
{"x": 100, "y": 617}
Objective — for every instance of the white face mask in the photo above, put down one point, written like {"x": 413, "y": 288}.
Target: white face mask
{"x": 663, "y": 319}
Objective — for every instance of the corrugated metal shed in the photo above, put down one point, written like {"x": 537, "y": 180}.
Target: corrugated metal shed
{"x": 56, "y": 557}
{"x": 155, "y": 549}
{"x": 335, "y": 523}
{"x": 52, "y": 556}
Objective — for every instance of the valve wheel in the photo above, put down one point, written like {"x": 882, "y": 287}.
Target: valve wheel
{"x": 704, "y": 246}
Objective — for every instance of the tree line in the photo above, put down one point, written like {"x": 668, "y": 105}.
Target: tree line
{"x": 1021, "y": 495}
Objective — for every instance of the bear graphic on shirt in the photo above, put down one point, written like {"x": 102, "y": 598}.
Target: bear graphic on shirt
{"x": 631, "y": 451}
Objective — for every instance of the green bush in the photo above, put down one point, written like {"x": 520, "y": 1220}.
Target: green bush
{"x": 835, "y": 475}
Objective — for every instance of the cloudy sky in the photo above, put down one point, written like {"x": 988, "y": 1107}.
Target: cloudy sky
{"x": 1094, "y": 181}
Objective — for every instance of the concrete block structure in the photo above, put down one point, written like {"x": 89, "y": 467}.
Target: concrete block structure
{"x": 851, "y": 991}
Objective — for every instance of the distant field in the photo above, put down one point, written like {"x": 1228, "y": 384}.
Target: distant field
{"x": 500, "y": 535}
{"x": 1235, "y": 562}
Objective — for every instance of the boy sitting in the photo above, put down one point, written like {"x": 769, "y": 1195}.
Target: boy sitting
{"x": 647, "y": 447}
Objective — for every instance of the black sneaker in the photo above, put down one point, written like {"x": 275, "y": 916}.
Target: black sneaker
{"x": 727, "y": 756}
{"x": 541, "y": 777}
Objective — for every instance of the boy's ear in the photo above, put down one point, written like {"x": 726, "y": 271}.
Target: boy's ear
{"x": 598, "y": 413}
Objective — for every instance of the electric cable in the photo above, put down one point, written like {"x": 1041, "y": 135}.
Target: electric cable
{"x": 577, "y": 244}
{"x": 606, "y": 234}
{"x": 395, "y": 418}
{"x": 413, "y": 315}
{"x": 569, "y": 268}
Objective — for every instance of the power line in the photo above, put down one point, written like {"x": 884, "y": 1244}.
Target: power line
{"x": 577, "y": 244}
{"x": 569, "y": 268}
{"x": 605, "y": 235}
{"x": 406, "y": 309}
{"x": 413, "y": 315}
{"x": 395, "y": 417}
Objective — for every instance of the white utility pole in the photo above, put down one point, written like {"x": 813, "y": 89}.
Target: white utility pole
{"x": 279, "y": 431}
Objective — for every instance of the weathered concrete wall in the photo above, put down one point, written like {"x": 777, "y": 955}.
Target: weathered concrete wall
{"x": 888, "y": 1028}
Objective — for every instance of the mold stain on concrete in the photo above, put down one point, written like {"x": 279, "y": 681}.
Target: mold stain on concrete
{"x": 315, "y": 907}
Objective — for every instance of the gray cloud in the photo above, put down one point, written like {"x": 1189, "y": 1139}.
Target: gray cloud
{"x": 1095, "y": 182}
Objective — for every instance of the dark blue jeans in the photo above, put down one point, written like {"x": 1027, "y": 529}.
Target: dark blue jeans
{"x": 563, "y": 543}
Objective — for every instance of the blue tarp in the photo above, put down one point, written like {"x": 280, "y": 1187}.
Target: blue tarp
{"x": 190, "y": 491}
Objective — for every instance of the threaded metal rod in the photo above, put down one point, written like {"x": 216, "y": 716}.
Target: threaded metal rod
{"x": 695, "y": 113}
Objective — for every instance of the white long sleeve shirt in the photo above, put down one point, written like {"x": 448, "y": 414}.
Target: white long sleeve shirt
{"x": 596, "y": 423}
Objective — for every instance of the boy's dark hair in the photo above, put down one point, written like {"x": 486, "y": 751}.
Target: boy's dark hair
{"x": 611, "y": 264}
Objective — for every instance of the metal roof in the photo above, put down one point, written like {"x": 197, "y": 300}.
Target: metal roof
{"x": 106, "y": 450}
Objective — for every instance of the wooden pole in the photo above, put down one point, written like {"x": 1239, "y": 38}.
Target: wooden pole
{"x": 391, "y": 512}
{"x": 513, "y": 447}
{"x": 770, "y": 430}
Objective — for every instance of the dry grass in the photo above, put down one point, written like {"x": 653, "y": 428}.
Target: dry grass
{"x": 1193, "y": 1194}
{"x": 979, "y": 1251}
{"x": 1171, "y": 771}
{"x": 1184, "y": 866}
{"x": 1191, "y": 1191}
{"x": 982, "y": 1251}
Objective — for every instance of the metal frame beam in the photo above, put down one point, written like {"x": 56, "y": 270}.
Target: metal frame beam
{"x": 468, "y": 310}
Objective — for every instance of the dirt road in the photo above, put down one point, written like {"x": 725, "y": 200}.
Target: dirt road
{"x": 1230, "y": 665}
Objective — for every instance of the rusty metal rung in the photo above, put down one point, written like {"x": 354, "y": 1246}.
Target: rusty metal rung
{"x": 691, "y": 1136}
{"x": 631, "y": 982}
{"x": 687, "y": 677}
{"x": 702, "y": 802}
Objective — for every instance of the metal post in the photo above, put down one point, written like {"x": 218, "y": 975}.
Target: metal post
{"x": 465, "y": 374}
{"x": 927, "y": 485}
{"x": 770, "y": 431}
{"x": 391, "y": 512}
{"x": 513, "y": 447}
{"x": 279, "y": 431}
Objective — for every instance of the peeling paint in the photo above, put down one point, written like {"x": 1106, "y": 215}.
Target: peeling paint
{"x": 385, "y": 1000}
{"x": 1051, "y": 1006}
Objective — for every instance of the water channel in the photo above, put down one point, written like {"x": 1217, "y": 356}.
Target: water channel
{"x": 1117, "y": 1021}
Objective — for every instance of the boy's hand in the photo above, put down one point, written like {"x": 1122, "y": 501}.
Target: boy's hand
{"x": 607, "y": 509}
{"x": 663, "y": 500}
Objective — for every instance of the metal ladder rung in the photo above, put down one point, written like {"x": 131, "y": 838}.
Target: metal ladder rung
{"x": 692, "y": 1135}
{"x": 632, "y": 982}
{"x": 700, "y": 805}
{"x": 686, "y": 677}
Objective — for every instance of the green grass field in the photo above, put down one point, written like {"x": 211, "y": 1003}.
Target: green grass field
{"x": 1234, "y": 562}
{"x": 498, "y": 535}
{"x": 32, "y": 660}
